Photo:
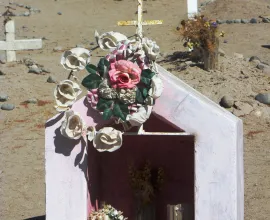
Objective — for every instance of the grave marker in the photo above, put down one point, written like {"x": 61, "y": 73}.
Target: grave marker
{"x": 218, "y": 171}
{"x": 139, "y": 23}
{"x": 192, "y": 7}
{"x": 208, "y": 176}
{"x": 11, "y": 45}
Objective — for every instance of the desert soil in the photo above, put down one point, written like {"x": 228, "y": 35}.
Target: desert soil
{"x": 22, "y": 176}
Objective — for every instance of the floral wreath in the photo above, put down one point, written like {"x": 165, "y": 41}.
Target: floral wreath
{"x": 122, "y": 87}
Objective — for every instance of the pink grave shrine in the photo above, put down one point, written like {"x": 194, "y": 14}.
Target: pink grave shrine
{"x": 198, "y": 144}
{"x": 204, "y": 166}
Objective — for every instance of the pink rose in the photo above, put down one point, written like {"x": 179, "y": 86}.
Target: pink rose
{"x": 92, "y": 97}
{"x": 124, "y": 74}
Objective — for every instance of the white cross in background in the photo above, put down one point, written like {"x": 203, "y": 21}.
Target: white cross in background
{"x": 139, "y": 23}
{"x": 11, "y": 45}
{"x": 192, "y": 8}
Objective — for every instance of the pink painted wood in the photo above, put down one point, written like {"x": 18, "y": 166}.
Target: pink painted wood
{"x": 218, "y": 184}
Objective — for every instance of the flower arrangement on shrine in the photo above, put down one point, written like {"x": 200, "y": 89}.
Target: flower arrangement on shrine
{"x": 145, "y": 183}
{"x": 201, "y": 34}
{"x": 122, "y": 87}
{"x": 107, "y": 213}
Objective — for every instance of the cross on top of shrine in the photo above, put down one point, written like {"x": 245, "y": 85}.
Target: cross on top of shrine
{"x": 139, "y": 23}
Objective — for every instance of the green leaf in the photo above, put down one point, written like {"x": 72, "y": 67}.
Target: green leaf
{"x": 120, "y": 111}
{"x": 146, "y": 81}
{"x": 107, "y": 114}
{"x": 92, "y": 81}
{"x": 144, "y": 92}
{"x": 147, "y": 73}
{"x": 139, "y": 96}
{"x": 103, "y": 66}
{"x": 92, "y": 69}
{"x": 104, "y": 104}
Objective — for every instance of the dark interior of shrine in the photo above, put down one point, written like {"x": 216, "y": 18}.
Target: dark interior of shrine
{"x": 109, "y": 178}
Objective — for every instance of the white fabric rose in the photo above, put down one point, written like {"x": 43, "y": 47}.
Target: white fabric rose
{"x": 151, "y": 48}
{"x": 65, "y": 94}
{"x": 75, "y": 59}
{"x": 108, "y": 139}
{"x": 139, "y": 117}
{"x": 73, "y": 126}
{"x": 156, "y": 87}
{"x": 109, "y": 40}
{"x": 91, "y": 132}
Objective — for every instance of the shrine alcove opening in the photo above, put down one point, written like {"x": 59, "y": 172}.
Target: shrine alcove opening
{"x": 109, "y": 178}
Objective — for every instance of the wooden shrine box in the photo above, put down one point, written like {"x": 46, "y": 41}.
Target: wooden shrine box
{"x": 203, "y": 170}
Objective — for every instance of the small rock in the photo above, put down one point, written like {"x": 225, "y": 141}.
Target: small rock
{"x": 1, "y": 73}
{"x": 266, "y": 20}
{"x": 253, "y": 21}
{"x": 238, "y": 56}
{"x": 254, "y": 58}
{"x": 262, "y": 66}
{"x": 3, "y": 97}
{"x": 226, "y": 101}
{"x": 7, "y": 107}
{"x": 58, "y": 49}
{"x": 244, "y": 21}
{"x": 258, "y": 113}
{"x": 34, "y": 69}
{"x": 45, "y": 38}
{"x": 59, "y": 13}
{"x": 237, "y": 21}
{"x": 229, "y": 21}
{"x": 32, "y": 101}
{"x": 92, "y": 43}
{"x": 27, "y": 13}
{"x": 35, "y": 10}
{"x": 44, "y": 70}
{"x": 225, "y": 41}
{"x": 221, "y": 21}
{"x": 28, "y": 62}
{"x": 262, "y": 112}
{"x": 203, "y": 3}
{"x": 51, "y": 79}
{"x": 263, "y": 98}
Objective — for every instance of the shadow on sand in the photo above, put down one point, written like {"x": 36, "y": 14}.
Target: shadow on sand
{"x": 42, "y": 217}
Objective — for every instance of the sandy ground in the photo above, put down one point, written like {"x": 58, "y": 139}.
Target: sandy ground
{"x": 22, "y": 187}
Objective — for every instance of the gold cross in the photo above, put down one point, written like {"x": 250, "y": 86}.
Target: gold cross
{"x": 139, "y": 23}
